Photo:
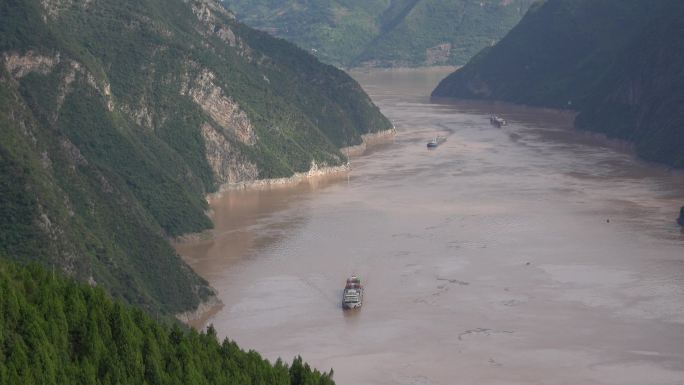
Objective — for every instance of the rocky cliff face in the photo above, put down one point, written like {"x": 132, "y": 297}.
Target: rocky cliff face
{"x": 117, "y": 118}
{"x": 222, "y": 109}
{"x": 227, "y": 164}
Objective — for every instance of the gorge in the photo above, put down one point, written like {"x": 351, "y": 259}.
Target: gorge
{"x": 182, "y": 196}
{"x": 519, "y": 255}
{"x": 118, "y": 118}
{"x": 617, "y": 63}
{"x": 382, "y": 33}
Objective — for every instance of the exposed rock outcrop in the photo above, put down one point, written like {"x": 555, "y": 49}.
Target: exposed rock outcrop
{"x": 202, "y": 309}
{"x": 238, "y": 177}
{"x": 53, "y": 8}
{"x": 206, "y": 12}
{"x": 221, "y": 108}
{"x": 316, "y": 170}
{"x": 369, "y": 140}
{"x": 438, "y": 54}
{"x": 228, "y": 165}
{"x": 19, "y": 65}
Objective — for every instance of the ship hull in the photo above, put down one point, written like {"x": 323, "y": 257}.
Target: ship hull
{"x": 350, "y": 306}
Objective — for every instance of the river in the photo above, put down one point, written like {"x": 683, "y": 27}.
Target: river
{"x": 531, "y": 254}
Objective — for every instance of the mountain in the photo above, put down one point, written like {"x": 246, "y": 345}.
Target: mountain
{"x": 118, "y": 117}
{"x": 618, "y": 63}
{"x": 54, "y": 331}
{"x": 385, "y": 33}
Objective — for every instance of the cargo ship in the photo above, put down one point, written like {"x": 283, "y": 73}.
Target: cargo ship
{"x": 352, "y": 297}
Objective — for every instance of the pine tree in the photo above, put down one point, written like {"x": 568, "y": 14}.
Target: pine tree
{"x": 54, "y": 331}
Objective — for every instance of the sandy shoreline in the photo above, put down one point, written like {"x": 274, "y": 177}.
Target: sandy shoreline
{"x": 198, "y": 317}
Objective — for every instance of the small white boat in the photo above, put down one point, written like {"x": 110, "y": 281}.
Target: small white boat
{"x": 497, "y": 121}
{"x": 436, "y": 141}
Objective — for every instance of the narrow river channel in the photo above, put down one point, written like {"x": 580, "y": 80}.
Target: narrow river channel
{"x": 530, "y": 254}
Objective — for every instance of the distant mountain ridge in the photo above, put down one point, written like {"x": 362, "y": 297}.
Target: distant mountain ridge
{"x": 619, "y": 63}
{"x": 118, "y": 117}
{"x": 385, "y": 33}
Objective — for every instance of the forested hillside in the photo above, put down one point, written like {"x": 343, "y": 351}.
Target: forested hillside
{"x": 55, "y": 331}
{"x": 619, "y": 63}
{"x": 385, "y": 33}
{"x": 118, "y": 117}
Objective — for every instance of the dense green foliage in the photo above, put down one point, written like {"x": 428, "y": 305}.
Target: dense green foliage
{"x": 619, "y": 63}
{"x": 641, "y": 96}
{"x": 102, "y": 150}
{"x": 558, "y": 48}
{"x": 385, "y": 33}
{"x": 56, "y": 331}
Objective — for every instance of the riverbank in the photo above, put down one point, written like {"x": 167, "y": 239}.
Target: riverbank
{"x": 198, "y": 317}
{"x": 404, "y": 70}
{"x": 495, "y": 243}
{"x": 368, "y": 141}
{"x": 315, "y": 171}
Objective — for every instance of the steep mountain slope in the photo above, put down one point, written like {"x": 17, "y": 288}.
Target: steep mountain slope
{"x": 557, "y": 51}
{"x": 618, "y": 63}
{"x": 385, "y": 33}
{"x": 117, "y": 117}
{"x": 641, "y": 98}
{"x": 439, "y": 32}
{"x": 336, "y": 30}
{"x": 54, "y": 331}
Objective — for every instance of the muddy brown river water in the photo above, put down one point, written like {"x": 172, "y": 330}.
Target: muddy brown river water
{"x": 531, "y": 254}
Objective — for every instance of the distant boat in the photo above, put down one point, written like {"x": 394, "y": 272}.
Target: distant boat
{"x": 352, "y": 297}
{"x": 436, "y": 141}
{"x": 497, "y": 121}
